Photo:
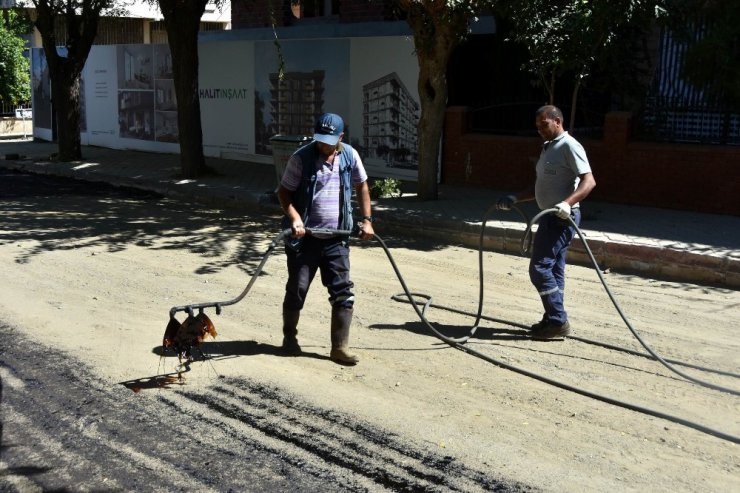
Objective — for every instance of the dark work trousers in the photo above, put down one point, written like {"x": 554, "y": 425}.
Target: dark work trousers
{"x": 547, "y": 264}
{"x": 331, "y": 257}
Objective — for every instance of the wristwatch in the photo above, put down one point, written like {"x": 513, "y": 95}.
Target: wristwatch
{"x": 367, "y": 218}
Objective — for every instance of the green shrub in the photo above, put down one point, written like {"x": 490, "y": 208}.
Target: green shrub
{"x": 385, "y": 187}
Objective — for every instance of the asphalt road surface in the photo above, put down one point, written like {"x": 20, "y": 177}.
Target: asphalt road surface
{"x": 91, "y": 402}
{"x": 65, "y": 428}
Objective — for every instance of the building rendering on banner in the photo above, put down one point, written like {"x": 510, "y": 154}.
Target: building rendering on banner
{"x": 129, "y": 102}
{"x": 296, "y": 100}
{"x": 390, "y": 116}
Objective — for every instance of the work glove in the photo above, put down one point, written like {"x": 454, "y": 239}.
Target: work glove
{"x": 505, "y": 203}
{"x": 563, "y": 210}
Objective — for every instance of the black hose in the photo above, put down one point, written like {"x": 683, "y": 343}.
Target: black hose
{"x": 621, "y": 313}
{"x": 458, "y": 343}
{"x": 527, "y": 238}
{"x": 218, "y": 305}
{"x": 429, "y": 304}
{"x": 609, "y": 400}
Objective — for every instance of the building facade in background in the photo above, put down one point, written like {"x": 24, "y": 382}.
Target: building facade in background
{"x": 390, "y": 115}
{"x": 295, "y": 100}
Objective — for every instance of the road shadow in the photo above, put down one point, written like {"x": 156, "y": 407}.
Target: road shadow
{"x": 458, "y": 331}
{"x": 50, "y": 213}
{"x": 208, "y": 351}
{"x": 55, "y": 214}
{"x": 218, "y": 350}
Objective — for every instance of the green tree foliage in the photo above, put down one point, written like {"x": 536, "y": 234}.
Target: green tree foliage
{"x": 571, "y": 36}
{"x": 711, "y": 30}
{"x": 15, "y": 83}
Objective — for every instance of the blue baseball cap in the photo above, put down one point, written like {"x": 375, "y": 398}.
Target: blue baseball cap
{"x": 328, "y": 129}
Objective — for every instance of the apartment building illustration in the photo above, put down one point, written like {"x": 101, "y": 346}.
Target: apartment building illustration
{"x": 296, "y": 101}
{"x": 390, "y": 115}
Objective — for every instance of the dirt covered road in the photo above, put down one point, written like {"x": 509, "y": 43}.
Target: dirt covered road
{"x": 88, "y": 281}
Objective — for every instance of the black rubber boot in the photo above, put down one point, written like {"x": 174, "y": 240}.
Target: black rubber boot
{"x": 290, "y": 331}
{"x": 341, "y": 319}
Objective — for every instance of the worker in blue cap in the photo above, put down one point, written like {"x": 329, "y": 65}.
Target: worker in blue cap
{"x": 315, "y": 192}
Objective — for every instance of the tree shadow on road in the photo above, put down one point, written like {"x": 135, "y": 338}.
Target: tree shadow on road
{"x": 50, "y": 213}
{"x": 46, "y": 213}
{"x": 457, "y": 331}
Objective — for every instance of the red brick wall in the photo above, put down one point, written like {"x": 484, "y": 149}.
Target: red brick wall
{"x": 699, "y": 178}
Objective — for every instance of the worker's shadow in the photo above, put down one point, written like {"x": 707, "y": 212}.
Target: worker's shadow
{"x": 218, "y": 350}
{"x": 458, "y": 331}
{"x": 207, "y": 351}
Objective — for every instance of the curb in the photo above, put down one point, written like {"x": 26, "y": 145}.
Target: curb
{"x": 644, "y": 258}
{"x": 627, "y": 258}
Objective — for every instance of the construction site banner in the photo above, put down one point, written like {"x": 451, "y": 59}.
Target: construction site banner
{"x": 250, "y": 92}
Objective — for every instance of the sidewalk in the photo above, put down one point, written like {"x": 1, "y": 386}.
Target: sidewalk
{"x": 676, "y": 245}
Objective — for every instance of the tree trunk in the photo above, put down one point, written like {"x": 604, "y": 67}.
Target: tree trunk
{"x": 433, "y": 99}
{"x": 65, "y": 69}
{"x": 65, "y": 92}
{"x": 182, "y": 20}
{"x": 551, "y": 88}
{"x": 436, "y": 34}
{"x": 573, "y": 101}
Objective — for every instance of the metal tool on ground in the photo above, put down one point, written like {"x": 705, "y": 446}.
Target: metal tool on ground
{"x": 186, "y": 337}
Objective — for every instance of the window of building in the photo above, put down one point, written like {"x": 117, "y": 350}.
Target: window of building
{"x": 314, "y": 8}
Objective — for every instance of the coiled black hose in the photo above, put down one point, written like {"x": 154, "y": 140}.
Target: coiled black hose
{"x": 458, "y": 343}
